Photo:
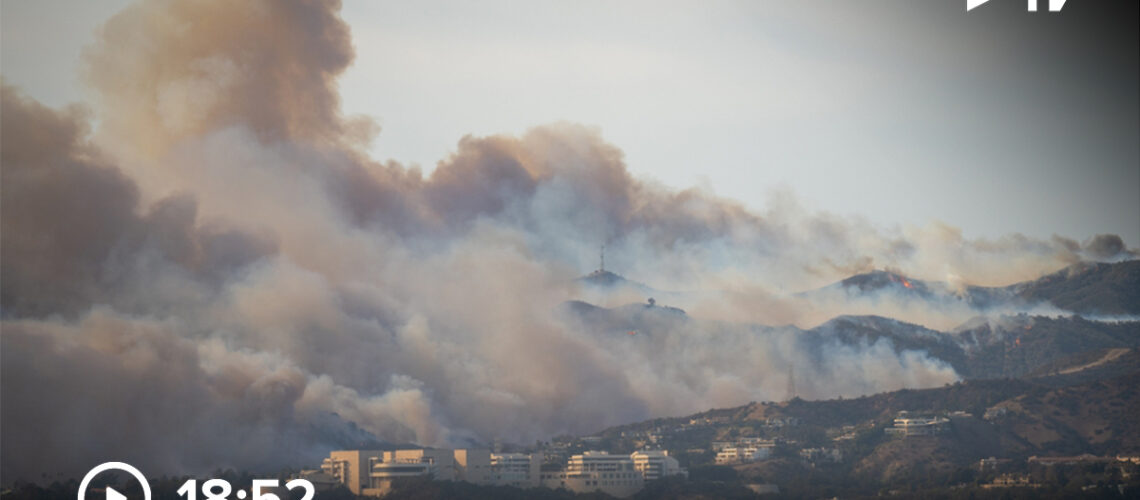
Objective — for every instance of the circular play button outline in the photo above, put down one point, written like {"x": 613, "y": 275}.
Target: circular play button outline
{"x": 125, "y": 467}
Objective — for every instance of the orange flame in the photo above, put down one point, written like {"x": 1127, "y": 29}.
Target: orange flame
{"x": 901, "y": 280}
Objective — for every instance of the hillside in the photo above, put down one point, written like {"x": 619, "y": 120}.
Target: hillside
{"x": 1013, "y": 346}
{"x": 1010, "y": 420}
{"x": 645, "y": 319}
{"x": 1089, "y": 288}
{"x": 1086, "y": 288}
{"x": 987, "y": 347}
{"x": 1032, "y": 386}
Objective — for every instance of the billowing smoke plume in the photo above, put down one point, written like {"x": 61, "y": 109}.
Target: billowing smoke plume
{"x": 219, "y": 276}
{"x": 1107, "y": 246}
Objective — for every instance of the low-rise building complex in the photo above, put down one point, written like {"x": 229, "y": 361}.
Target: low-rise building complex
{"x": 910, "y": 426}
{"x": 373, "y": 472}
{"x": 742, "y": 454}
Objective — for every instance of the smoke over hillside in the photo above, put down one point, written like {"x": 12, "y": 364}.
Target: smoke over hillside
{"x": 219, "y": 268}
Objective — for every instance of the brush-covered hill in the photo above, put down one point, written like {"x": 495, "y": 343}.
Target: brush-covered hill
{"x": 633, "y": 319}
{"x": 1012, "y": 346}
{"x": 1007, "y": 419}
{"x": 1087, "y": 288}
{"x": 986, "y": 347}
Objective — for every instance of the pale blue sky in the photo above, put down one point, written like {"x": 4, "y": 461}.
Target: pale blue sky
{"x": 902, "y": 112}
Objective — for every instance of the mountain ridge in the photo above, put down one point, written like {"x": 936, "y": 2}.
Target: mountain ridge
{"x": 1093, "y": 288}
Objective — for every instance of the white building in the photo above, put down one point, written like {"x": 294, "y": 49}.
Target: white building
{"x": 742, "y": 454}
{"x": 372, "y": 472}
{"x": 908, "y": 426}
{"x": 515, "y": 469}
{"x": 351, "y": 467}
{"x": 474, "y": 466}
{"x": 756, "y": 442}
{"x": 597, "y": 471}
{"x": 394, "y": 465}
{"x": 656, "y": 464}
{"x": 591, "y": 440}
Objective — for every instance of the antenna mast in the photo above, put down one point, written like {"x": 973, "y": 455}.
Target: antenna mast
{"x": 603, "y": 268}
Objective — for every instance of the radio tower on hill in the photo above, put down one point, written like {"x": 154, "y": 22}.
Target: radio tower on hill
{"x": 602, "y": 267}
{"x": 601, "y": 270}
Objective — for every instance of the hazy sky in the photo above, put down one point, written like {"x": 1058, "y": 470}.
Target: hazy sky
{"x": 995, "y": 121}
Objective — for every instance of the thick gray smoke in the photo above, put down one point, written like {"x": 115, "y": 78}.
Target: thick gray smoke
{"x": 219, "y": 276}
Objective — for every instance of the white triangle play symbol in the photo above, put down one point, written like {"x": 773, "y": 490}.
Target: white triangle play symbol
{"x": 971, "y": 4}
{"x": 114, "y": 495}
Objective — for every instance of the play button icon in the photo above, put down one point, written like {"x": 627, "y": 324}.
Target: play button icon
{"x": 111, "y": 493}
